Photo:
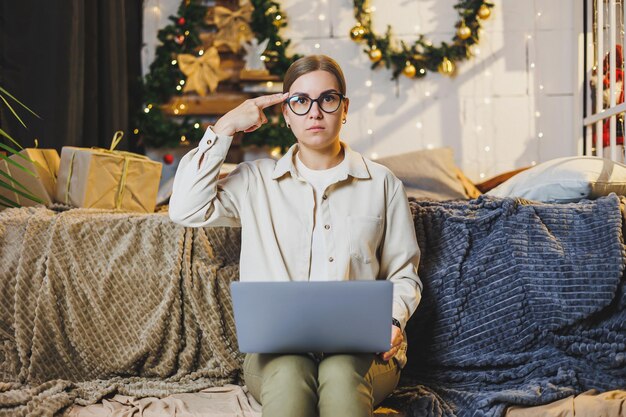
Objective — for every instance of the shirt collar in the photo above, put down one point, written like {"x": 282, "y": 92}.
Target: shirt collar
{"x": 355, "y": 167}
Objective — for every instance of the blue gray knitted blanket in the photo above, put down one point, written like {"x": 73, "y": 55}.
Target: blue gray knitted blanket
{"x": 524, "y": 304}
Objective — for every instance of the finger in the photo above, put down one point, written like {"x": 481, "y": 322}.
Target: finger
{"x": 269, "y": 100}
{"x": 252, "y": 128}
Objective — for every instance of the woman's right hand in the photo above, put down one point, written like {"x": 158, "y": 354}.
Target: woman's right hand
{"x": 248, "y": 116}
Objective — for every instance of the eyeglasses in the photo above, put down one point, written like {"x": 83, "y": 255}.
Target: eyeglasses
{"x": 327, "y": 102}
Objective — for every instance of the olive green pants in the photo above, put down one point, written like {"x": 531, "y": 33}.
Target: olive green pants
{"x": 338, "y": 385}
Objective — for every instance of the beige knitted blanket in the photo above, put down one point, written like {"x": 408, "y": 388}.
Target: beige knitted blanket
{"x": 66, "y": 278}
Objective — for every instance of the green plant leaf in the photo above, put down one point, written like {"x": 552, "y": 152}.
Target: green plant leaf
{"x": 20, "y": 192}
{"x": 3, "y": 91}
{"x": 15, "y": 164}
{"x": 13, "y": 111}
{"x": 6, "y": 135}
{"x": 13, "y": 180}
{"x": 7, "y": 203}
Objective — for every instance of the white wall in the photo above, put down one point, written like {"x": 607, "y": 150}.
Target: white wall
{"x": 499, "y": 113}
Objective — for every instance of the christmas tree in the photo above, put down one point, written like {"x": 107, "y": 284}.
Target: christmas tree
{"x": 197, "y": 72}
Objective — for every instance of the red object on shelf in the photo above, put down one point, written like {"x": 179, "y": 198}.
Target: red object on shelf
{"x": 181, "y": 21}
{"x": 168, "y": 158}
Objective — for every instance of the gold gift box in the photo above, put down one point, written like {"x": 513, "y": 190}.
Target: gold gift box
{"x": 44, "y": 163}
{"x": 108, "y": 179}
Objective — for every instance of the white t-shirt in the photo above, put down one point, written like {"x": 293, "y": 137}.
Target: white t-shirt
{"x": 319, "y": 179}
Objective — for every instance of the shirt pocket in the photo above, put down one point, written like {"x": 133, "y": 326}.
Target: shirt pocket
{"x": 364, "y": 236}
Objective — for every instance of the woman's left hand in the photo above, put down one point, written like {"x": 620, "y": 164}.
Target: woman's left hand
{"x": 396, "y": 340}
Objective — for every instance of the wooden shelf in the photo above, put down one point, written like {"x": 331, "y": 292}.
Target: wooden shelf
{"x": 217, "y": 104}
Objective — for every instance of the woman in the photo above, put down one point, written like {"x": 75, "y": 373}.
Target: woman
{"x": 322, "y": 212}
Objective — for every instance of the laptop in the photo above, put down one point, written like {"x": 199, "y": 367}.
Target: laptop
{"x": 328, "y": 317}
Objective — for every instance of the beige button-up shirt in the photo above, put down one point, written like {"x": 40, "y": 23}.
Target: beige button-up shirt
{"x": 366, "y": 218}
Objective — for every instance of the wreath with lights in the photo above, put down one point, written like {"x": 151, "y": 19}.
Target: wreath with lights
{"x": 416, "y": 60}
{"x": 166, "y": 80}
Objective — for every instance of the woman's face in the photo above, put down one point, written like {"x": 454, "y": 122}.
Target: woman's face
{"x": 316, "y": 129}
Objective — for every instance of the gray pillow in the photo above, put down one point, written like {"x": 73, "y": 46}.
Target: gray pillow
{"x": 429, "y": 173}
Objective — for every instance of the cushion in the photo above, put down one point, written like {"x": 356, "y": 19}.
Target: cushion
{"x": 565, "y": 180}
{"x": 429, "y": 173}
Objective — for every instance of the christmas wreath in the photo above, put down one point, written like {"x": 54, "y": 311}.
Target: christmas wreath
{"x": 415, "y": 60}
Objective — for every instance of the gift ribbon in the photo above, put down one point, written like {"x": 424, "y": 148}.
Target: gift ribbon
{"x": 117, "y": 137}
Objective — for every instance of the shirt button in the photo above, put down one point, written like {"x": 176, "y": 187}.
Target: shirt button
{"x": 330, "y": 259}
{"x": 209, "y": 141}
{"x": 327, "y": 226}
{"x": 324, "y": 197}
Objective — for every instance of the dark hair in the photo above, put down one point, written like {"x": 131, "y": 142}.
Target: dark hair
{"x": 312, "y": 63}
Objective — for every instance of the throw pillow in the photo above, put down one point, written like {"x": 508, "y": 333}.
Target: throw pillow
{"x": 429, "y": 173}
{"x": 565, "y": 180}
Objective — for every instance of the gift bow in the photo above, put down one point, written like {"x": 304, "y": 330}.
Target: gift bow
{"x": 201, "y": 71}
{"x": 233, "y": 26}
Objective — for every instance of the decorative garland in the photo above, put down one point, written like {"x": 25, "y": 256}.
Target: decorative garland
{"x": 415, "y": 60}
{"x": 165, "y": 79}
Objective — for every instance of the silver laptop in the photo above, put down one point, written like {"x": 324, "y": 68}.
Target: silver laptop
{"x": 329, "y": 317}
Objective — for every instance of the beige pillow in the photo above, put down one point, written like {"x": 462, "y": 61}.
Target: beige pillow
{"x": 429, "y": 173}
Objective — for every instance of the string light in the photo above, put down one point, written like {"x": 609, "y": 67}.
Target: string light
{"x": 196, "y": 125}
{"x": 370, "y": 131}
{"x": 183, "y": 138}
{"x": 540, "y": 135}
{"x": 136, "y": 131}
{"x": 201, "y": 52}
{"x": 368, "y": 83}
{"x": 321, "y": 17}
{"x": 182, "y": 82}
{"x": 174, "y": 62}
{"x": 427, "y": 93}
{"x": 418, "y": 125}
{"x": 178, "y": 88}
{"x": 370, "y": 105}
{"x": 487, "y": 148}
{"x": 317, "y": 46}
{"x": 373, "y": 155}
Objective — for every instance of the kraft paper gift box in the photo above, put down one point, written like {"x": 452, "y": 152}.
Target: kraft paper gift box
{"x": 44, "y": 163}
{"x": 108, "y": 179}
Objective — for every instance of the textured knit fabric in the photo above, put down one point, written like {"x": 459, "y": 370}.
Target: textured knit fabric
{"x": 523, "y": 304}
{"x": 94, "y": 303}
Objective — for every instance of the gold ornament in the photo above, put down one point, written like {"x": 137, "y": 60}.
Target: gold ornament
{"x": 358, "y": 32}
{"x": 375, "y": 55}
{"x": 484, "y": 12}
{"x": 463, "y": 32}
{"x": 446, "y": 67}
{"x": 233, "y": 26}
{"x": 201, "y": 71}
{"x": 409, "y": 70}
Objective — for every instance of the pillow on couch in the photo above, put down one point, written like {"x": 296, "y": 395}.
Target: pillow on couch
{"x": 565, "y": 180}
{"x": 429, "y": 173}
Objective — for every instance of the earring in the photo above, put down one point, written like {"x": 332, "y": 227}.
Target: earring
{"x": 344, "y": 121}
{"x": 288, "y": 126}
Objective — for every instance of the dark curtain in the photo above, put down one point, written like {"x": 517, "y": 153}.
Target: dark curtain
{"x": 74, "y": 62}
